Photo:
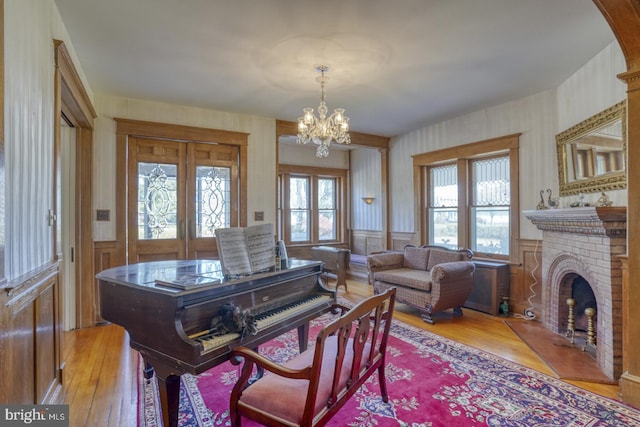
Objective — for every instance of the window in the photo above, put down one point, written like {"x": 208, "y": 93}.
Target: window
{"x": 310, "y": 205}
{"x": 299, "y": 208}
{"x": 327, "y": 208}
{"x": 443, "y": 206}
{"x": 490, "y": 205}
{"x": 470, "y": 197}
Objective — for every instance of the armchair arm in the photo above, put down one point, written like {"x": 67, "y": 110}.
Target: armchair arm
{"x": 383, "y": 261}
{"x": 448, "y": 271}
{"x": 452, "y": 283}
{"x": 252, "y": 358}
{"x": 337, "y": 308}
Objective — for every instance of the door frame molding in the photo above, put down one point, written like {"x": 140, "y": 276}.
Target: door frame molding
{"x": 127, "y": 127}
{"x": 72, "y": 100}
{"x": 3, "y": 279}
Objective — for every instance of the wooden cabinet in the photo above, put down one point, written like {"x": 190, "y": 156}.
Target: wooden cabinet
{"x": 490, "y": 285}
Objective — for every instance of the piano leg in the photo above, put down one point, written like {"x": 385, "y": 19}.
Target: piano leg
{"x": 169, "y": 399}
{"x": 148, "y": 371}
{"x": 303, "y": 336}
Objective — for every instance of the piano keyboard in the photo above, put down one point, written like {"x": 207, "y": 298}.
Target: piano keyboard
{"x": 210, "y": 342}
{"x": 272, "y": 317}
{"x": 263, "y": 320}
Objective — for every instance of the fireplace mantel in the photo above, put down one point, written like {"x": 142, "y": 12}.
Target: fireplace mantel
{"x": 594, "y": 220}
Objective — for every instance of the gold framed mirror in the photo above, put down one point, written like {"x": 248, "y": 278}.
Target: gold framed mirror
{"x": 592, "y": 155}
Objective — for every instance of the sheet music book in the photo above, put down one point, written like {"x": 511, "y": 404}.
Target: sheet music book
{"x": 246, "y": 250}
{"x": 188, "y": 281}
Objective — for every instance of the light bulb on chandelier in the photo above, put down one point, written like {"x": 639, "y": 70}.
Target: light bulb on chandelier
{"x": 322, "y": 130}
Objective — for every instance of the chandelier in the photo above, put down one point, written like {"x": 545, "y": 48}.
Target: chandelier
{"x": 322, "y": 130}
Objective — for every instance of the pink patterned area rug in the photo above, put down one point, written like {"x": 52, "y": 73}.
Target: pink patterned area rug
{"x": 432, "y": 381}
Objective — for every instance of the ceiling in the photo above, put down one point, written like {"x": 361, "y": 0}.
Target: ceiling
{"x": 395, "y": 66}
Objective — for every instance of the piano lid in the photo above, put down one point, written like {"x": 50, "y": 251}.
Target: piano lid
{"x": 146, "y": 274}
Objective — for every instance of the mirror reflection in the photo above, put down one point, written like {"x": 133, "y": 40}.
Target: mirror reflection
{"x": 591, "y": 155}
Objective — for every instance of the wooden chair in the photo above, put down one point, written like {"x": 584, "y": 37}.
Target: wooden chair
{"x": 335, "y": 263}
{"x": 309, "y": 389}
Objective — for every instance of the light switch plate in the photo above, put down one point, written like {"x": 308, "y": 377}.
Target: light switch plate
{"x": 103, "y": 214}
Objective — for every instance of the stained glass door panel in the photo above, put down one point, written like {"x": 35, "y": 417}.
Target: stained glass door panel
{"x": 156, "y": 218}
{"x": 157, "y": 201}
{"x": 213, "y": 194}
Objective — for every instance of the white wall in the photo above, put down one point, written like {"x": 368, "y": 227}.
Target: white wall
{"x": 587, "y": 92}
{"x": 533, "y": 117}
{"x": 538, "y": 117}
{"x": 592, "y": 88}
{"x": 261, "y": 150}
{"x": 30, "y": 27}
{"x": 305, "y": 155}
{"x": 366, "y": 182}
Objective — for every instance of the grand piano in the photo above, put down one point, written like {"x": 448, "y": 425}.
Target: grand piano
{"x": 171, "y": 327}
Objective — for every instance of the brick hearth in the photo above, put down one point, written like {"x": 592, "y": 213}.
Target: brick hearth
{"x": 585, "y": 242}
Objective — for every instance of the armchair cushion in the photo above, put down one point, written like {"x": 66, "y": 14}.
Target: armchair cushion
{"x": 385, "y": 260}
{"x": 416, "y": 279}
{"x": 415, "y": 258}
{"x": 440, "y": 256}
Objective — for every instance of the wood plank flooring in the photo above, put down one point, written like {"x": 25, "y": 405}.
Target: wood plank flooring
{"x": 100, "y": 367}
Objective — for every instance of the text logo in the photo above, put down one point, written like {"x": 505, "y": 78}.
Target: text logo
{"x": 34, "y": 415}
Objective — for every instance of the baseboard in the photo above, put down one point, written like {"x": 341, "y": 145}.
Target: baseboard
{"x": 359, "y": 276}
{"x": 357, "y": 272}
{"x": 630, "y": 389}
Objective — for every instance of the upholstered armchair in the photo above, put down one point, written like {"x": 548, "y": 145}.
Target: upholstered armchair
{"x": 429, "y": 278}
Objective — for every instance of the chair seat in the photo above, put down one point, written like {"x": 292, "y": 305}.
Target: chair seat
{"x": 289, "y": 402}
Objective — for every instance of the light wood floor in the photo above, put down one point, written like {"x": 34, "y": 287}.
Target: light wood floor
{"x": 100, "y": 368}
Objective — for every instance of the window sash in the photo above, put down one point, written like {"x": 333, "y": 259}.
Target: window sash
{"x": 326, "y": 213}
{"x": 443, "y": 205}
{"x": 490, "y": 183}
{"x": 443, "y": 227}
{"x": 299, "y": 209}
{"x": 443, "y": 186}
{"x": 490, "y": 229}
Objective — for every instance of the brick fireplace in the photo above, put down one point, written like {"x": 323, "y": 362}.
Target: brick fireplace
{"x": 581, "y": 246}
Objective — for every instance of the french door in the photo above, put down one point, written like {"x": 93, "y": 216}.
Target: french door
{"x": 178, "y": 194}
